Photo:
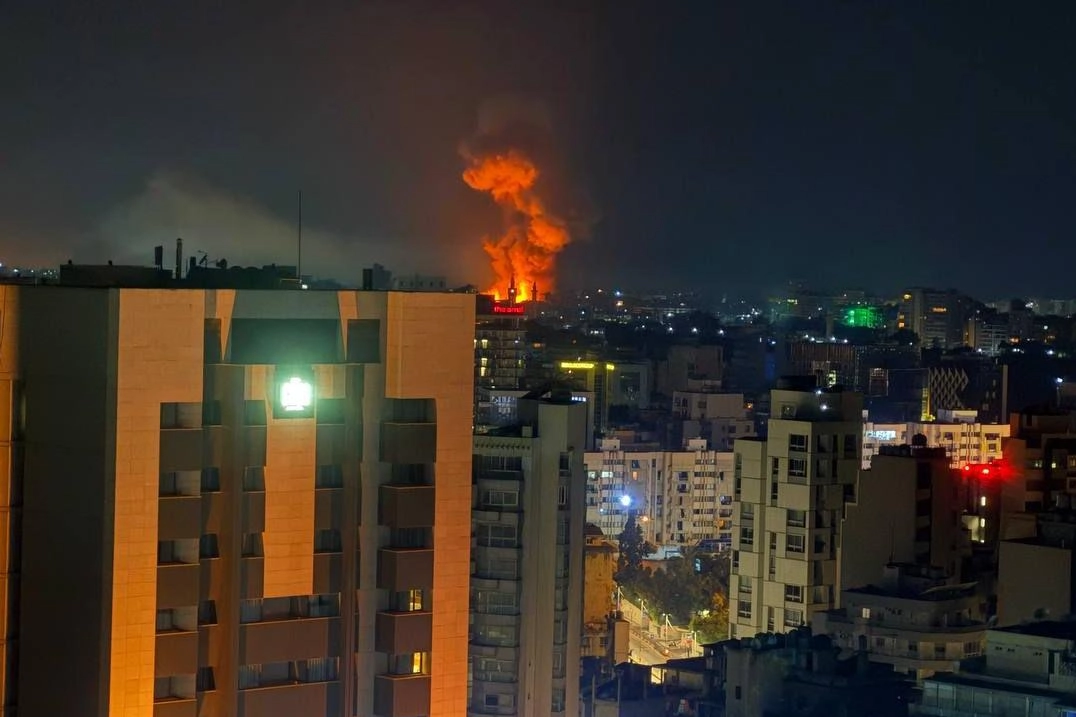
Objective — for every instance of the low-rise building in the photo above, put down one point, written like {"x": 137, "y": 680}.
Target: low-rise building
{"x": 917, "y": 620}
{"x": 1026, "y": 669}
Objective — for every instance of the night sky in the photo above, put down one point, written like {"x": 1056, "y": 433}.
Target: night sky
{"x": 726, "y": 146}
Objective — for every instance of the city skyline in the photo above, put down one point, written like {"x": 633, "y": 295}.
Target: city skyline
{"x": 711, "y": 146}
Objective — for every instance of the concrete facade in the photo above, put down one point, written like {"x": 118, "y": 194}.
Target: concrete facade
{"x": 790, "y": 491}
{"x": 527, "y": 578}
{"x": 246, "y": 481}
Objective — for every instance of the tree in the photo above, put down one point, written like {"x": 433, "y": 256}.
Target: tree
{"x": 714, "y": 624}
{"x": 633, "y": 548}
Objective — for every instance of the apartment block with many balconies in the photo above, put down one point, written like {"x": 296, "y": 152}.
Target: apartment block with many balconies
{"x": 789, "y": 495}
{"x": 237, "y": 502}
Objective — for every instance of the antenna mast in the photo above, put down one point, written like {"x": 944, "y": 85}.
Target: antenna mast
{"x": 299, "y": 258}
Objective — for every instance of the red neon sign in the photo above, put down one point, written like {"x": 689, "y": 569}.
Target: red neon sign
{"x": 498, "y": 309}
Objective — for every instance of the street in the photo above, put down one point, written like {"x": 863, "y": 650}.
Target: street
{"x": 647, "y": 644}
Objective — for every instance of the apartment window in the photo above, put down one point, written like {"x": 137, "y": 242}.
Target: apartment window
{"x": 797, "y": 519}
{"x": 562, "y": 496}
{"x": 412, "y": 600}
{"x": 328, "y": 541}
{"x": 177, "y": 552}
{"x": 497, "y": 635}
{"x": 850, "y": 446}
{"x": 775, "y": 468}
{"x": 211, "y": 480}
{"x": 413, "y": 663}
{"x": 797, "y": 467}
{"x": 939, "y": 650}
{"x": 252, "y": 546}
{"x": 254, "y": 413}
{"x": 745, "y": 585}
{"x": 181, "y": 415}
{"x": 329, "y": 476}
{"x": 251, "y": 610}
{"x": 410, "y": 538}
{"x": 323, "y": 605}
{"x": 207, "y": 612}
{"x": 795, "y": 543}
{"x": 175, "y": 687}
{"x": 497, "y": 535}
{"x": 747, "y": 511}
{"x": 177, "y": 619}
{"x": 747, "y": 537}
{"x": 204, "y": 680}
{"x": 494, "y": 602}
{"x": 735, "y": 559}
{"x": 793, "y": 618}
{"x": 562, "y": 530}
{"x": 773, "y": 541}
{"x": 500, "y": 499}
{"x": 558, "y": 700}
{"x": 793, "y": 593}
{"x": 254, "y": 479}
{"x": 797, "y": 442}
{"x": 208, "y": 547}
{"x": 744, "y": 608}
{"x": 773, "y": 493}
{"x": 177, "y": 483}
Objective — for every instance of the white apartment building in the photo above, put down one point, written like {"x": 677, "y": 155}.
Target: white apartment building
{"x": 964, "y": 439}
{"x": 681, "y": 498}
{"x": 527, "y": 563}
{"x": 916, "y": 619}
{"x": 789, "y": 493}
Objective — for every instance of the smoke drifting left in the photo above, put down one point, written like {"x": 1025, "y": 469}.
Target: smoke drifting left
{"x": 226, "y": 225}
{"x": 512, "y": 157}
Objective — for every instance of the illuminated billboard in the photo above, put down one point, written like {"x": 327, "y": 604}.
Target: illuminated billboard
{"x": 505, "y": 309}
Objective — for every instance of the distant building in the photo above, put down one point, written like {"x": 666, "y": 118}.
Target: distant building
{"x": 1024, "y": 591}
{"x": 690, "y": 368}
{"x": 500, "y": 352}
{"x": 789, "y": 496}
{"x": 800, "y": 675}
{"x": 963, "y": 437}
{"x": 419, "y": 282}
{"x": 916, "y": 619}
{"x": 937, "y": 316}
{"x": 720, "y": 418}
{"x": 680, "y": 498}
{"x": 599, "y": 566}
{"x": 1026, "y": 670}
{"x": 527, "y": 605}
{"x": 908, "y": 509}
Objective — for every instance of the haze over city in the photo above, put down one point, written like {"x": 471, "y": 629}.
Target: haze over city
{"x": 717, "y": 146}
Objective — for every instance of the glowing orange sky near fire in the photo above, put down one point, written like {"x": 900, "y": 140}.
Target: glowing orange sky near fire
{"x": 533, "y": 237}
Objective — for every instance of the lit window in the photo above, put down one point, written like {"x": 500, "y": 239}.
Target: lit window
{"x": 982, "y": 501}
{"x": 296, "y": 394}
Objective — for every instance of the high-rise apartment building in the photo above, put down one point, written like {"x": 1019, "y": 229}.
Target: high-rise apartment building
{"x": 527, "y": 571}
{"x": 789, "y": 495}
{"x": 227, "y": 501}
{"x": 500, "y": 351}
{"x": 963, "y": 437}
{"x": 679, "y": 498}
{"x": 938, "y": 317}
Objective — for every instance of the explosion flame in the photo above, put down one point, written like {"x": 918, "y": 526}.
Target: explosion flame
{"x": 525, "y": 254}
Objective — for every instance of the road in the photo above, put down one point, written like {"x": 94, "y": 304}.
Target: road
{"x": 646, "y": 643}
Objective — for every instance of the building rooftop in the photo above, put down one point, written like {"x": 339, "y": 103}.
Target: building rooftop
{"x": 1056, "y": 629}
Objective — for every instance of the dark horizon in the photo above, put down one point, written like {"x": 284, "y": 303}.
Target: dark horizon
{"x": 724, "y": 148}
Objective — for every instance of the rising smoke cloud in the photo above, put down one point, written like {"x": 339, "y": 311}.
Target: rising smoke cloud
{"x": 225, "y": 225}
{"x": 511, "y": 158}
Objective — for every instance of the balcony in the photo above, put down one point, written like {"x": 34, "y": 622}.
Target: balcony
{"x": 179, "y": 517}
{"x": 177, "y": 585}
{"x": 404, "y": 568}
{"x": 297, "y": 698}
{"x": 408, "y": 442}
{"x": 406, "y": 506}
{"x": 287, "y": 640}
{"x": 176, "y": 708}
{"x": 176, "y": 653}
{"x": 401, "y": 695}
{"x": 401, "y": 633}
